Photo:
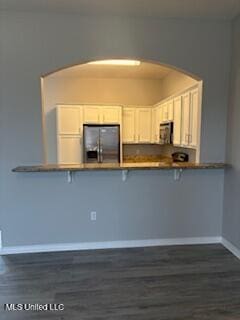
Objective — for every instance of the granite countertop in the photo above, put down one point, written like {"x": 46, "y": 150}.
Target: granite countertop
{"x": 162, "y": 165}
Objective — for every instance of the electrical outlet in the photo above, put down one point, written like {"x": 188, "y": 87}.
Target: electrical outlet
{"x": 93, "y": 215}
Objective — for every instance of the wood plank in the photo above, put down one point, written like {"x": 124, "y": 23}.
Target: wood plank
{"x": 162, "y": 283}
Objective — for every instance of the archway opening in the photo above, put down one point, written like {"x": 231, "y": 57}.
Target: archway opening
{"x": 155, "y": 108}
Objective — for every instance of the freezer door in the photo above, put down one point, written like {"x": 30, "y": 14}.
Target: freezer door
{"x": 91, "y": 144}
{"x": 109, "y": 144}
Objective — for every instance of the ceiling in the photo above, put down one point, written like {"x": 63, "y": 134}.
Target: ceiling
{"x": 203, "y": 9}
{"x": 143, "y": 71}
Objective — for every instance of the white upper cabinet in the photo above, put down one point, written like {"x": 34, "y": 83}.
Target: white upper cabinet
{"x": 164, "y": 112}
{"x": 167, "y": 111}
{"x": 154, "y": 125}
{"x": 156, "y": 120}
{"x": 102, "y": 114}
{"x": 190, "y": 112}
{"x": 137, "y": 125}
{"x": 170, "y": 110}
{"x": 69, "y": 119}
{"x": 185, "y": 118}
{"x": 128, "y": 125}
{"x": 177, "y": 118}
{"x": 194, "y": 115}
{"x": 111, "y": 115}
{"x": 144, "y": 125}
{"x": 91, "y": 114}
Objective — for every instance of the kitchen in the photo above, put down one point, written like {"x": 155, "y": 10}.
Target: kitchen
{"x": 157, "y": 120}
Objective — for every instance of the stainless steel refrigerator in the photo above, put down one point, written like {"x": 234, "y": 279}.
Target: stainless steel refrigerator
{"x": 101, "y": 143}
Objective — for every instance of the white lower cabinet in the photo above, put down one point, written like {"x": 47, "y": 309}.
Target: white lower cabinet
{"x": 69, "y": 149}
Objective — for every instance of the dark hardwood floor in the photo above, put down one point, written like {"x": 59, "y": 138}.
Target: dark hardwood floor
{"x": 159, "y": 283}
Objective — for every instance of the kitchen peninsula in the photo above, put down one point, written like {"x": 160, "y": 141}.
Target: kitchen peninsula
{"x": 121, "y": 166}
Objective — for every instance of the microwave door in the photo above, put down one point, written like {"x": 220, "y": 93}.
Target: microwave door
{"x": 109, "y": 144}
{"x": 91, "y": 144}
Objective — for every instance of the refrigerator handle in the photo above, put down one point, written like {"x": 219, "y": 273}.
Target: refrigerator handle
{"x": 98, "y": 150}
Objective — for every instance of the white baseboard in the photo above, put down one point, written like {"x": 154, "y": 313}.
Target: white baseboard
{"x": 228, "y": 245}
{"x": 108, "y": 245}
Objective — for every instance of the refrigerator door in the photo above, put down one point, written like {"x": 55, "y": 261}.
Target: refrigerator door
{"x": 91, "y": 144}
{"x": 109, "y": 144}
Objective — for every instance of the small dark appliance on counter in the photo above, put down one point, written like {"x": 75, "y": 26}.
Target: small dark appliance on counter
{"x": 180, "y": 157}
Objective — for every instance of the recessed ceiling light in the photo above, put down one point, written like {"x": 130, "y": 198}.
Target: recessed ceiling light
{"x": 117, "y": 62}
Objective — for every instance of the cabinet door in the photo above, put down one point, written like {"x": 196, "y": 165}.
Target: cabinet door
{"x": 177, "y": 118}
{"x": 155, "y": 112}
{"x": 111, "y": 115}
{"x": 157, "y": 122}
{"x": 165, "y": 112}
{"x": 91, "y": 114}
{"x": 69, "y": 149}
{"x": 154, "y": 119}
{"x": 160, "y": 116}
{"x": 68, "y": 120}
{"x": 185, "y": 118}
{"x": 128, "y": 125}
{"x": 144, "y": 125}
{"x": 170, "y": 110}
{"x": 193, "y": 124}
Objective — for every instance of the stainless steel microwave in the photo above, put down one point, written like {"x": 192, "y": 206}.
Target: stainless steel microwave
{"x": 166, "y": 133}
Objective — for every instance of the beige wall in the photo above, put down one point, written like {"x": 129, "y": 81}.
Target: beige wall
{"x": 175, "y": 82}
{"x": 118, "y": 91}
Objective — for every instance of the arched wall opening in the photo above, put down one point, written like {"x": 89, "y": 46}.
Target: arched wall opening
{"x": 122, "y": 83}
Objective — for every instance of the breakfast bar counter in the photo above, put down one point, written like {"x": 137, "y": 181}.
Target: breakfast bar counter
{"x": 119, "y": 166}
